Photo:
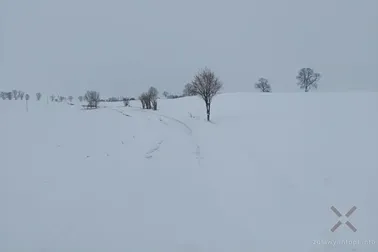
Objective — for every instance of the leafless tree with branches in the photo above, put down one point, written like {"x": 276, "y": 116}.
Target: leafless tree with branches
{"x": 263, "y": 85}
{"x": 152, "y": 97}
{"x": 126, "y": 101}
{"x": 15, "y": 94}
{"x": 308, "y": 79}
{"x": 206, "y": 85}
{"x": 149, "y": 99}
{"x": 21, "y": 94}
{"x": 93, "y": 98}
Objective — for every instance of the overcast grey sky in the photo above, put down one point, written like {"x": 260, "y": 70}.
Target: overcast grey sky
{"x": 121, "y": 47}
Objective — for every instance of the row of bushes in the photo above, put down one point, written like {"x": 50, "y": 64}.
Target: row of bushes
{"x": 17, "y": 94}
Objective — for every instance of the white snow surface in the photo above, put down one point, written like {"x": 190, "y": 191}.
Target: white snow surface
{"x": 260, "y": 177}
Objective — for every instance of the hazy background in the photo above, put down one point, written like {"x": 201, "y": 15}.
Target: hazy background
{"x": 121, "y": 47}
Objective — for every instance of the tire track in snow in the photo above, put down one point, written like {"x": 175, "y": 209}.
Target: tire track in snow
{"x": 189, "y": 132}
{"x": 149, "y": 153}
{"x": 187, "y": 128}
{"x": 121, "y": 112}
{"x": 156, "y": 148}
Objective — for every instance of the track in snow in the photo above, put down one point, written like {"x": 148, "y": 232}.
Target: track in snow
{"x": 186, "y": 127}
{"x": 153, "y": 150}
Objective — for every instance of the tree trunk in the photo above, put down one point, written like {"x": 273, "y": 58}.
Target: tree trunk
{"x": 208, "y": 111}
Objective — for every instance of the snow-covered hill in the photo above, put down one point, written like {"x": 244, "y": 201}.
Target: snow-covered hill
{"x": 262, "y": 176}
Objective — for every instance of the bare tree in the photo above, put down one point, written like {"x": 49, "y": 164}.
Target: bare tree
{"x": 15, "y": 94}
{"x": 52, "y": 97}
{"x": 263, "y": 85}
{"x": 153, "y": 92}
{"x": 93, "y": 99}
{"x": 152, "y": 98}
{"x": 308, "y": 79}
{"x": 141, "y": 98}
{"x": 81, "y": 98}
{"x": 154, "y": 104}
{"x": 147, "y": 100}
{"x": 27, "y": 99}
{"x": 70, "y": 98}
{"x": 126, "y": 101}
{"x": 188, "y": 90}
{"x": 9, "y": 95}
{"x": 39, "y": 96}
{"x": 206, "y": 85}
{"x": 21, "y": 95}
{"x": 165, "y": 94}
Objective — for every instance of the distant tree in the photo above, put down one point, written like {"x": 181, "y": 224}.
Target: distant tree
{"x": 126, "y": 101}
{"x": 206, "y": 85}
{"x": 172, "y": 96}
{"x": 165, "y": 94}
{"x": 61, "y": 98}
{"x": 81, "y": 98}
{"x": 263, "y": 85}
{"x": 70, "y": 98}
{"x": 149, "y": 99}
{"x": 39, "y": 96}
{"x": 154, "y": 104}
{"x": 142, "y": 99}
{"x": 3, "y": 95}
{"x": 21, "y": 95}
{"x": 52, "y": 97}
{"x": 188, "y": 90}
{"x": 308, "y": 79}
{"x": 152, "y": 97}
{"x": 9, "y": 95}
{"x": 146, "y": 100}
{"x": 153, "y": 92}
{"x": 93, "y": 99}
{"x": 15, "y": 94}
{"x": 26, "y": 101}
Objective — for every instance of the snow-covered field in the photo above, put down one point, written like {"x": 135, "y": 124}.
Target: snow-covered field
{"x": 261, "y": 177}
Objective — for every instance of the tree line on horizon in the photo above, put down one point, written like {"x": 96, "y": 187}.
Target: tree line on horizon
{"x": 205, "y": 85}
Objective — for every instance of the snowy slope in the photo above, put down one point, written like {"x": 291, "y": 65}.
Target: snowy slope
{"x": 261, "y": 176}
